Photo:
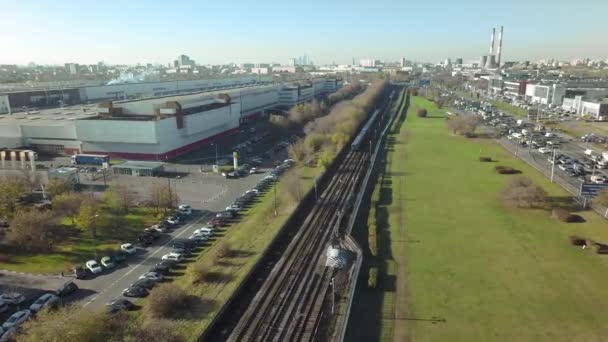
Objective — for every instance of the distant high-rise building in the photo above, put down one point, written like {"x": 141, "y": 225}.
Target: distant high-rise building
{"x": 370, "y": 62}
{"x": 183, "y": 60}
{"x": 458, "y": 61}
{"x": 402, "y": 62}
{"x": 292, "y": 61}
{"x": 72, "y": 68}
{"x": 447, "y": 61}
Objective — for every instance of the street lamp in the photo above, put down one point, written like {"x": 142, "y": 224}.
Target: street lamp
{"x": 93, "y": 235}
{"x": 553, "y": 165}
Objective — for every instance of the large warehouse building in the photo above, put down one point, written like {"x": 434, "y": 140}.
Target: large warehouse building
{"x": 155, "y": 128}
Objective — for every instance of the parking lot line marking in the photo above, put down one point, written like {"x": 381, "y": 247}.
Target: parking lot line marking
{"x": 185, "y": 228}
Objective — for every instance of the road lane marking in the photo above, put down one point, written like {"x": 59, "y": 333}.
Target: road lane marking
{"x": 185, "y": 228}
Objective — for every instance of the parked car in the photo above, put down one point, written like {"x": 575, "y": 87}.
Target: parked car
{"x": 160, "y": 229}
{"x": 93, "y": 266}
{"x": 544, "y": 150}
{"x": 4, "y": 305}
{"x": 174, "y": 220}
{"x": 67, "y": 289}
{"x": 145, "y": 283}
{"x": 173, "y": 256}
{"x": 154, "y": 276}
{"x": 184, "y": 209}
{"x": 14, "y": 298}
{"x": 135, "y": 291}
{"x": 80, "y": 272}
{"x": 128, "y": 248}
{"x": 168, "y": 263}
{"x": 16, "y": 319}
{"x": 120, "y": 304}
{"x": 119, "y": 257}
{"x": 152, "y": 232}
{"x": 198, "y": 237}
{"x": 46, "y": 300}
{"x": 205, "y": 231}
{"x": 161, "y": 268}
{"x": 107, "y": 262}
{"x": 598, "y": 179}
{"x": 145, "y": 239}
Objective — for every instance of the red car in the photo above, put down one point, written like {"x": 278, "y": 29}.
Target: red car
{"x": 216, "y": 221}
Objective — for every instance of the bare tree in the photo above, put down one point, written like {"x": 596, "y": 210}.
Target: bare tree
{"x": 87, "y": 219}
{"x": 68, "y": 204}
{"x": 601, "y": 198}
{"x": 298, "y": 151}
{"x": 161, "y": 196}
{"x": 166, "y": 301}
{"x": 120, "y": 197}
{"x": 293, "y": 186}
{"x": 522, "y": 193}
{"x": 34, "y": 230}
{"x": 11, "y": 191}
{"x": 58, "y": 186}
{"x": 464, "y": 124}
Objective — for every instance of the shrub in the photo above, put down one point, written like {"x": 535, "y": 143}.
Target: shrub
{"x": 201, "y": 271}
{"x": 223, "y": 249}
{"x": 562, "y": 215}
{"x": 422, "y": 113}
{"x": 521, "y": 193}
{"x": 166, "y": 301}
{"x": 485, "y": 159}
{"x": 577, "y": 240}
{"x": 5, "y": 257}
{"x": 505, "y": 170}
{"x": 372, "y": 280}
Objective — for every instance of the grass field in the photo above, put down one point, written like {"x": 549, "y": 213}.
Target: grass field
{"x": 79, "y": 247}
{"x": 475, "y": 270}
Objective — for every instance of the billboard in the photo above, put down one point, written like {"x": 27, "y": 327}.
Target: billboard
{"x": 5, "y": 106}
{"x": 591, "y": 189}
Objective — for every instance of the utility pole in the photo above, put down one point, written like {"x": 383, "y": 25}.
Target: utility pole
{"x": 275, "y": 198}
{"x": 333, "y": 295}
{"x": 553, "y": 165}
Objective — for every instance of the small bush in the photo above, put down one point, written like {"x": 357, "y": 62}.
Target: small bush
{"x": 577, "y": 240}
{"x": 372, "y": 280}
{"x": 485, "y": 159}
{"x": 166, "y": 301}
{"x": 422, "y": 113}
{"x": 600, "y": 248}
{"x": 562, "y": 215}
{"x": 520, "y": 192}
{"x": 505, "y": 170}
{"x": 223, "y": 249}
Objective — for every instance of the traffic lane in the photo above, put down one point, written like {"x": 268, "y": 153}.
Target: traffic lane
{"x": 109, "y": 286}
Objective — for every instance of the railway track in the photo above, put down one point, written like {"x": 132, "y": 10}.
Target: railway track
{"x": 288, "y": 305}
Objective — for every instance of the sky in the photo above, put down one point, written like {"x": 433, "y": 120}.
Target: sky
{"x": 213, "y": 32}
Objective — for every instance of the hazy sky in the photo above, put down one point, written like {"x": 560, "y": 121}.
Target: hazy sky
{"x": 130, "y": 31}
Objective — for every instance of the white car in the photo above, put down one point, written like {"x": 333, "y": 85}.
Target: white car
{"x": 198, "y": 237}
{"x": 184, "y": 209}
{"x": 253, "y": 171}
{"x": 160, "y": 229}
{"x": 47, "y": 299}
{"x": 16, "y": 319}
{"x": 155, "y": 276}
{"x": 12, "y": 298}
{"x": 544, "y": 150}
{"x": 252, "y": 191}
{"x": 93, "y": 266}
{"x": 173, "y": 256}
{"x": 173, "y": 220}
{"x": 598, "y": 179}
{"x": 128, "y": 248}
{"x": 204, "y": 231}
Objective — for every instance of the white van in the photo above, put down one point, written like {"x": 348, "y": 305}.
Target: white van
{"x": 598, "y": 179}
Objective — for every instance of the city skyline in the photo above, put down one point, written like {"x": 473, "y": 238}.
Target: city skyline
{"x": 137, "y": 32}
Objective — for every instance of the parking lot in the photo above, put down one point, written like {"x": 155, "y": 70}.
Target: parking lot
{"x": 207, "y": 193}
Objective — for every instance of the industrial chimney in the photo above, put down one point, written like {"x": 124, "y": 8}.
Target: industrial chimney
{"x": 492, "y": 41}
{"x": 499, "y": 47}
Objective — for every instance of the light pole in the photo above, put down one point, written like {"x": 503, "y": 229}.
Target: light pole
{"x": 215, "y": 144}
{"x": 553, "y": 165}
{"x": 92, "y": 229}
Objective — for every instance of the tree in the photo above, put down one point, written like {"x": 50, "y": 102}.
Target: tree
{"x": 293, "y": 186}
{"x": 166, "y": 300}
{"x": 68, "y": 204}
{"x": 58, "y": 186}
{"x": 601, "y": 198}
{"x": 87, "y": 219}
{"x": 161, "y": 196}
{"x": 120, "y": 197}
{"x": 522, "y": 193}
{"x": 11, "y": 191}
{"x": 154, "y": 330}
{"x": 298, "y": 151}
{"x": 421, "y": 113}
{"x": 34, "y": 230}
{"x": 74, "y": 324}
{"x": 464, "y": 124}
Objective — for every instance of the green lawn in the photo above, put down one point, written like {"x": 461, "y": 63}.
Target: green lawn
{"x": 79, "y": 247}
{"x": 492, "y": 273}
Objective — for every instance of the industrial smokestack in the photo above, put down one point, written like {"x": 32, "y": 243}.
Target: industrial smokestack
{"x": 492, "y": 41}
{"x": 499, "y": 47}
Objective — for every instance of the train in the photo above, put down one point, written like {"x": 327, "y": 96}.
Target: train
{"x": 360, "y": 138}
